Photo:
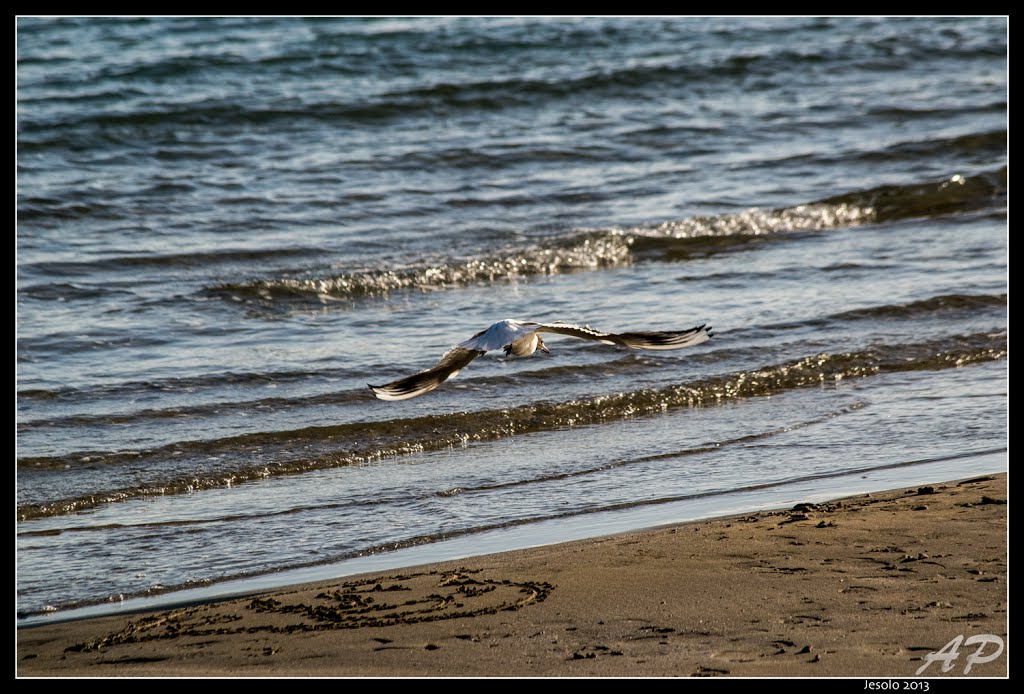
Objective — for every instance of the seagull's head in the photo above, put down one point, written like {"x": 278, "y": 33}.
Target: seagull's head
{"x": 541, "y": 346}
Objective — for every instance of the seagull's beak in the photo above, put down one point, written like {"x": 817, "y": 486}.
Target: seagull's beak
{"x": 542, "y": 347}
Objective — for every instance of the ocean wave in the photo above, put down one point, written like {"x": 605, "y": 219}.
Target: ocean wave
{"x": 298, "y": 451}
{"x": 934, "y": 199}
{"x": 929, "y": 112}
{"x": 189, "y": 259}
{"x": 182, "y": 384}
{"x": 988, "y": 144}
{"x": 947, "y": 305}
{"x": 582, "y": 251}
{"x": 349, "y": 51}
{"x": 587, "y": 250}
{"x": 384, "y": 500}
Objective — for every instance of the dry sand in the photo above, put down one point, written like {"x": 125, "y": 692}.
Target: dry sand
{"x": 865, "y": 586}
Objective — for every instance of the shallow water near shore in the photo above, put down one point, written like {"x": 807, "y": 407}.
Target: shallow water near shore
{"x": 226, "y": 228}
{"x": 663, "y": 512}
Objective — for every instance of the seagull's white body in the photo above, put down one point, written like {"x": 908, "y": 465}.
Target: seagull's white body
{"x": 521, "y": 339}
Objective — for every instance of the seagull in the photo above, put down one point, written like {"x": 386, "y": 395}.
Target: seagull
{"x": 521, "y": 339}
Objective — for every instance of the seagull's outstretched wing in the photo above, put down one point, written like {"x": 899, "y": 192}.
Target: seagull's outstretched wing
{"x": 673, "y": 339}
{"x": 425, "y": 381}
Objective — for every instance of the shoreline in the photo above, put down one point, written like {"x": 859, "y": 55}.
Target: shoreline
{"x": 863, "y": 586}
{"x": 689, "y": 508}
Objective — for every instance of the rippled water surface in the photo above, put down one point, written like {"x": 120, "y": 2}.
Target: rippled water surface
{"x": 227, "y": 227}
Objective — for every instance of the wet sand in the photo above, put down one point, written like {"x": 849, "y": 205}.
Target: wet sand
{"x": 864, "y": 586}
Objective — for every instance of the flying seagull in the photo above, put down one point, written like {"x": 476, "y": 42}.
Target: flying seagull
{"x": 521, "y": 339}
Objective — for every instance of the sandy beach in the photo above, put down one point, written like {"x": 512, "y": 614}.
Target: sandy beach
{"x": 864, "y": 586}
